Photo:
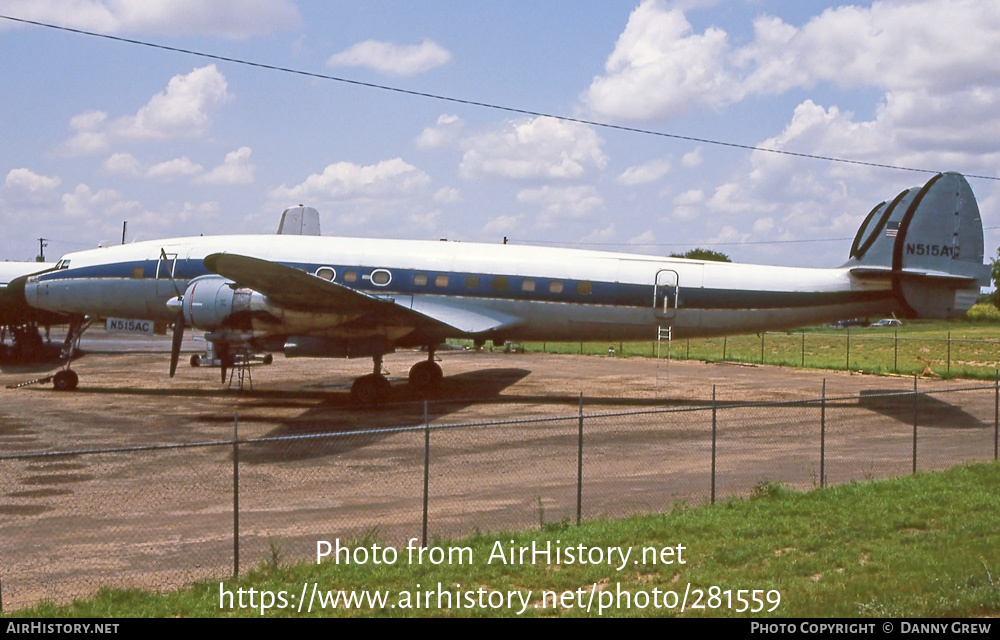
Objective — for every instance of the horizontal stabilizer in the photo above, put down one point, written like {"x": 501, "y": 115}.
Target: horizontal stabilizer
{"x": 887, "y": 272}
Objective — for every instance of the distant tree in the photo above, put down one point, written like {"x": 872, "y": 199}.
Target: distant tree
{"x": 708, "y": 254}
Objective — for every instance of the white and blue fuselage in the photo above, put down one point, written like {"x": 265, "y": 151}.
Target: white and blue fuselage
{"x": 509, "y": 292}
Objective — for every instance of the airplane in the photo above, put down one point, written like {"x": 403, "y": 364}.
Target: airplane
{"x": 918, "y": 255}
{"x": 18, "y": 319}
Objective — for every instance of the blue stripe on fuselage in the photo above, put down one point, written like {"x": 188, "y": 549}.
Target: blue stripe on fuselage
{"x": 614, "y": 294}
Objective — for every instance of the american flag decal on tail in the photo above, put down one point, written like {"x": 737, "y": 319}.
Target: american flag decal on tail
{"x": 891, "y": 229}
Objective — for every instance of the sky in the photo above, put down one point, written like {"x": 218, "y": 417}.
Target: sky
{"x": 96, "y": 132}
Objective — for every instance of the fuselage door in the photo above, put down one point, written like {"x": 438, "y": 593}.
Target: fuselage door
{"x": 666, "y": 294}
{"x": 166, "y": 267}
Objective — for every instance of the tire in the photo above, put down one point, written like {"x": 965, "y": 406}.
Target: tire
{"x": 370, "y": 390}
{"x": 65, "y": 380}
{"x": 195, "y": 360}
{"x": 425, "y": 376}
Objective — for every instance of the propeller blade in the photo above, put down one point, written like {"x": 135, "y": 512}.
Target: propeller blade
{"x": 175, "y": 347}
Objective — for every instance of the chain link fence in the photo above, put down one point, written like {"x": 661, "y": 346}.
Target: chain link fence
{"x": 244, "y": 501}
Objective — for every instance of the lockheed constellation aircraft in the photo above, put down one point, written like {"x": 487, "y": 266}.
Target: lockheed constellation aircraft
{"x": 920, "y": 254}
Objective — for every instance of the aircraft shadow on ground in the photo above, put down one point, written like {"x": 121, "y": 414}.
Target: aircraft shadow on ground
{"x": 352, "y": 427}
{"x": 45, "y": 360}
{"x": 930, "y": 411}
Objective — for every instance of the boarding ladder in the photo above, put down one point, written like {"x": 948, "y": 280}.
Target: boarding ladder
{"x": 663, "y": 334}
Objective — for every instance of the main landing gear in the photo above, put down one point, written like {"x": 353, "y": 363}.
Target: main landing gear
{"x": 424, "y": 378}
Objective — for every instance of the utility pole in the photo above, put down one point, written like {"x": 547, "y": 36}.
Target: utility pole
{"x": 124, "y": 227}
{"x": 41, "y": 250}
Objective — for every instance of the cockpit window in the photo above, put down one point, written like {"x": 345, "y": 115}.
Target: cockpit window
{"x": 62, "y": 264}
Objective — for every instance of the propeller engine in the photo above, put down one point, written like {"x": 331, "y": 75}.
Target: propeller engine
{"x": 210, "y": 303}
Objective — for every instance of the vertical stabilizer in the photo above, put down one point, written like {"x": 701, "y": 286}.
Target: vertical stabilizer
{"x": 928, "y": 242}
{"x": 299, "y": 221}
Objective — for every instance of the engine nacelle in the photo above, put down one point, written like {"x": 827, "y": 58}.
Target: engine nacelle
{"x": 211, "y": 302}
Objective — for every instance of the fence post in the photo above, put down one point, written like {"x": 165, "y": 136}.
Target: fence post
{"x": 996, "y": 412}
{"x": 427, "y": 466}
{"x": 762, "y": 347}
{"x": 949, "y": 352}
{"x": 803, "y": 349}
{"x": 914, "y": 424}
{"x": 848, "y": 366}
{"x": 895, "y": 350}
{"x": 236, "y": 495}
{"x": 724, "y": 340}
{"x": 579, "y": 467}
{"x": 822, "y": 438}
{"x": 714, "y": 430}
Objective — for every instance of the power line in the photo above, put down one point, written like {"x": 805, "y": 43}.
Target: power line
{"x": 474, "y": 103}
{"x": 677, "y": 244}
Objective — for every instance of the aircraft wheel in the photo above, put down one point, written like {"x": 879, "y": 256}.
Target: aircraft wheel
{"x": 65, "y": 380}
{"x": 425, "y": 375}
{"x": 268, "y": 358}
{"x": 370, "y": 389}
{"x": 195, "y": 360}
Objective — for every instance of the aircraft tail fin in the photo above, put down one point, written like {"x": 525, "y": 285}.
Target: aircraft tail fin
{"x": 928, "y": 242}
{"x": 299, "y": 221}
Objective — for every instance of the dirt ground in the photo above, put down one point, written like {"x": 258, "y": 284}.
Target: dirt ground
{"x": 162, "y": 518}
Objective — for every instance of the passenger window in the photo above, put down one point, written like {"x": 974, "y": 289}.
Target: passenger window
{"x": 527, "y": 284}
{"x": 471, "y": 282}
{"x": 137, "y": 273}
{"x": 555, "y": 286}
{"x": 441, "y": 280}
{"x": 327, "y": 273}
{"x": 584, "y": 288}
{"x": 420, "y": 279}
{"x": 381, "y": 277}
{"x": 500, "y": 283}
{"x": 350, "y": 276}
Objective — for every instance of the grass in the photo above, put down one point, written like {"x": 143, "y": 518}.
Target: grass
{"x": 919, "y": 546}
{"x": 964, "y": 348}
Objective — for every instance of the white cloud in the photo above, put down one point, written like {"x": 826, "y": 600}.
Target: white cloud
{"x": 85, "y": 204}
{"x": 26, "y": 185}
{"x": 534, "y": 149}
{"x": 600, "y": 235}
{"x": 182, "y": 111}
{"x": 235, "y": 170}
{"x": 660, "y": 68}
{"x": 692, "y": 159}
{"x": 645, "y": 241}
{"x": 447, "y": 130}
{"x": 172, "y": 169}
{"x": 225, "y": 18}
{"x": 346, "y": 181}
{"x": 502, "y": 225}
{"x": 561, "y": 202}
{"x": 123, "y": 164}
{"x": 644, "y": 173}
{"x": 447, "y": 195}
{"x": 945, "y": 44}
{"x": 392, "y": 59}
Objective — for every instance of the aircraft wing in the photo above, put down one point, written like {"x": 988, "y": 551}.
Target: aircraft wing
{"x": 295, "y": 289}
